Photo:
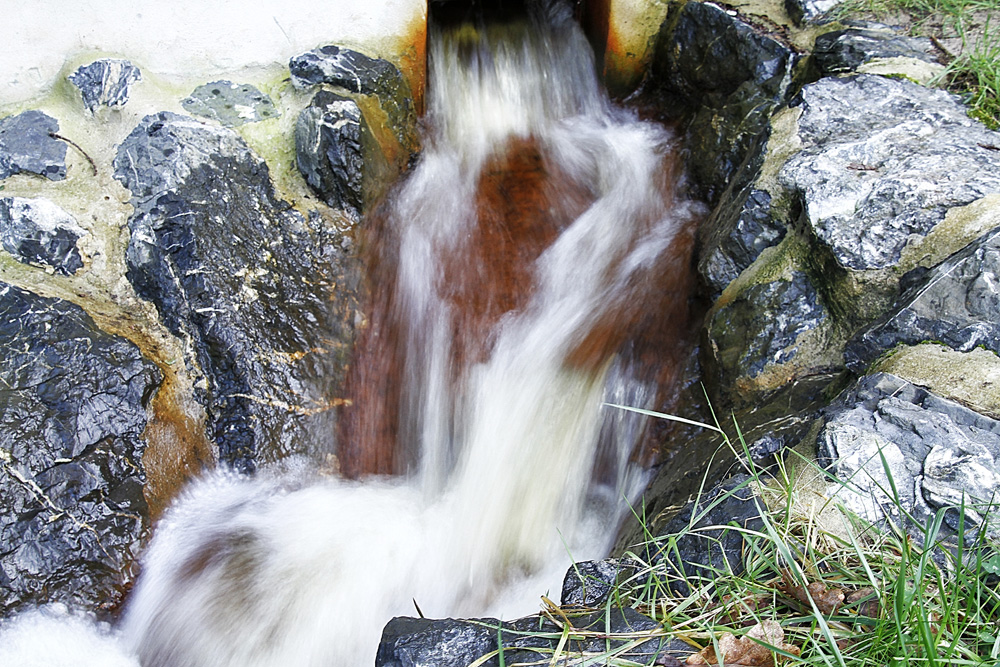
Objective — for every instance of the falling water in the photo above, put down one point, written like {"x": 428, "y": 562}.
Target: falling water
{"x": 513, "y": 274}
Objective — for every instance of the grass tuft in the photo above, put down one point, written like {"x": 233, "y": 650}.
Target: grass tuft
{"x": 843, "y": 591}
{"x": 973, "y": 70}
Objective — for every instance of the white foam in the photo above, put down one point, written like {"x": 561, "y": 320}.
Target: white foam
{"x": 52, "y": 637}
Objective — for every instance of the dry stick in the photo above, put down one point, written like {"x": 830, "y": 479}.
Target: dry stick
{"x": 77, "y": 147}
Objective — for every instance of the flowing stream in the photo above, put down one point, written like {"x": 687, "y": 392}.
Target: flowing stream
{"x": 513, "y": 275}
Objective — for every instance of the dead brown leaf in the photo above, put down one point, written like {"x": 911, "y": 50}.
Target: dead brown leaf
{"x": 827, "y": 600}
{"x": 744, "y": 651}
{"x": 866, "y": 602}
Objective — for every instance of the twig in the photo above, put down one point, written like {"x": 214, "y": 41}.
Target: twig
{"x": 77, "y": 147}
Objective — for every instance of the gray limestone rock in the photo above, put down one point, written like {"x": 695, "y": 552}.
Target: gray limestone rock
{"x": 27, "y": 145}
{"x": 359, "y": 74}
{"x": 230, "y": 103}
{"x": 709, "y": 535}
{"x": 902, "y": 451}
{"x": 956, "y": 303}
{"x": 36, "y": 231}
{"x": 845, "y": 50}
{"x": 265, "y": 296}
{"x": 105, "y": 82}
{"x": 72, "y": 413}
{"x": 882, "y": 161}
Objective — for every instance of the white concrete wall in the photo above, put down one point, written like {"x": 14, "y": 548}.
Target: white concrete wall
{"x": 194, "y": 39}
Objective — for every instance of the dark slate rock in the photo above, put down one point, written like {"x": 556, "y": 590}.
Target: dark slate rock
{"x": 705, "y": 55}
{"x": 955, "y": 303}
{"x": 244, "y": 278}
{"x": 738, "y": 230}
{"x": 903, "y": 452}
{"x": 27, "y": 145}
{"x": 708, "y": 536}
{"x": 845, "y": 50}
{"x": 761, "y": 326}
{"x": 882, "y": 161}
{"x": 105, "y": 82}
{"x": 230, "y": 103}
{"x": 719, "y": 69}
{"x": 360, "y": 74}
{"x": 589, "y": 583}
{"x": 330, "y": 139}
{"x": 73, "y": 405}
{"x": 409, "y": 642}
{"x": 36, "y": 231}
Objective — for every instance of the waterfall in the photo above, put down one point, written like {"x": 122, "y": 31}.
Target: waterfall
{"x": 522, "y": 275}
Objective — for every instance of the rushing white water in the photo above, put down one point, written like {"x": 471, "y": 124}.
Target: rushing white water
{"x": 294, "y": 569}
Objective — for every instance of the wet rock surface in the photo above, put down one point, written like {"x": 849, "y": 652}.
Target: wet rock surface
{"x": 73, "y": 407}
{"x": 358, "y": 73}
{"x": 802, "y": 11}
{"x": 937, "y": 453}
{"x": 249, "y": 281}
{"x": 882, "y": 161}
{"x": 36, "y": 231}
{"x": 230, "y": 103}
{"x": 105, "y": 82}
{"x": 861, "y": 218}
{"x": 730, "y": 77}
{"x": 331, "y": 138}
{"x": 589, "y": 583}
{"x": 408, "y": 642}
{"x": 741, "y": 228}
{"x": 27, "y": 145}
{"x": 956, "y": 303}
{"x": 709, "y": 542}
{"x": 745, "y": 343}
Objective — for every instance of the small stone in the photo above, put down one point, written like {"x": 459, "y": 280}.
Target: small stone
{"x": 359, "y": 74}
{"x": 27, "y": 144}
{"x": 36, "y": 231}
{"x": 329, "y": 151}
{"x": 802, "y": 11}
{"x": 105, "y": 82}
{"x": 588, "y": 584}
{"x": 230, "y": 103}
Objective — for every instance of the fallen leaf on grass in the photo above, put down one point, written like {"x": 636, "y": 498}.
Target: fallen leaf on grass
{"x": 827, "y": 600}
{"x": 866, "y": 602}
{"x": 744, "y": 651}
